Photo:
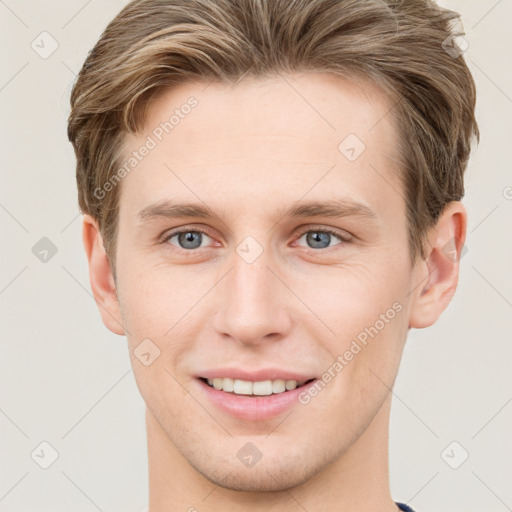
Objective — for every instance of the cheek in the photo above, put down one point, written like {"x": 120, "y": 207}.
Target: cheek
{"x": 154, "y": 296}
{"x": 349, "y": 298}
{"x": 161, "y": 304}
{"x": 364, "y": 326}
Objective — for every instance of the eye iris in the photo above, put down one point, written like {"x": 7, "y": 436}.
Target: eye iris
{"x": 192, "y": 239}
{"x": 316, "y": 237}
{"x": 189, "y": 237}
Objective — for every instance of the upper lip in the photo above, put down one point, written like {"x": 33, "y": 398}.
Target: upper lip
{"x": 255, "y": 375}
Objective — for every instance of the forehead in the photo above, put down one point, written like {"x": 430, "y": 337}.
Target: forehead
{"x": 287, "y": 134}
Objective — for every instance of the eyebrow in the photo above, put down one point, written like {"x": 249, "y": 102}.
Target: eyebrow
{"x": 331, "y": 208}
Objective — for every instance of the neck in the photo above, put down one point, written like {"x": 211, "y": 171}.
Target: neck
{"x": 358, "y": 481}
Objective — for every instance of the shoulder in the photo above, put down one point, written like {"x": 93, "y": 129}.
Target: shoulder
{"x": 404, "y": 507}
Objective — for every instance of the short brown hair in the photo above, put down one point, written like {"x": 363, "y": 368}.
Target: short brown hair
{"x": 152, "y": 45}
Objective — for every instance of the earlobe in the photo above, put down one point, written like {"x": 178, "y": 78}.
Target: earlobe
{"x": 100, "y": 276}
{"x": 439, "y": 271}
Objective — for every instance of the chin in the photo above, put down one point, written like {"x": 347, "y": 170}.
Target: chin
{"x": 265, "y": 478}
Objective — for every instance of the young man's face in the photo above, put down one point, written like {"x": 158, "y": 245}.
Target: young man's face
{"x": 263, "y": 295}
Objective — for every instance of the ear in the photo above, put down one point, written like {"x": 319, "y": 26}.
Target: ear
{"x": 438, "y": 273}
{"x": 100, "y": 276}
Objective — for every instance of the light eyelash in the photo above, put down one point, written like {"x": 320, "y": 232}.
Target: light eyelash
{"x": 167, "y": 236}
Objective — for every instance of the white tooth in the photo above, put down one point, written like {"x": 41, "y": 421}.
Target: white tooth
{"x": 227, "y": 384}
{"x": 278, "y": 386}
{"x": 262, "y": 388}
{"x": 291, "y": 384}
{"x": 242, "y": 387}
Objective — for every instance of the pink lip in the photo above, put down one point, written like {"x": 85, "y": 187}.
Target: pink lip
{"x": 251, "y": 408}
{"x": 254, "y": 375}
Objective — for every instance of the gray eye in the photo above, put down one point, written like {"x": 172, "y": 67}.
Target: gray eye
{"x": 319, "y": 239}
{"x": 188, "y": 239}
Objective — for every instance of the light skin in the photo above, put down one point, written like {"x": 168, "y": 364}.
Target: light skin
{"x": 249, "y": 152}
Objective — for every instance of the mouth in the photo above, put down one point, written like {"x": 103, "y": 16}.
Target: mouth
{"x": 252, "y": 401}
{"x": 255, "y": 394}
{"x": 254, "y": 389}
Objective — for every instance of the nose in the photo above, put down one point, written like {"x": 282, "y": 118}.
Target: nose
{"x": 252, "y": 303}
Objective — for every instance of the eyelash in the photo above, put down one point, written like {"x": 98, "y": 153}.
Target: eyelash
{"x": 343, "y": 239}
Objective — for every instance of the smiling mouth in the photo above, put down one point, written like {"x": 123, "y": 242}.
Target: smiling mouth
{"x": 256, "y": 389}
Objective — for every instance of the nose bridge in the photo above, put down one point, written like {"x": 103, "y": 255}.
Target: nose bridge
{"x": 252, "y": 305}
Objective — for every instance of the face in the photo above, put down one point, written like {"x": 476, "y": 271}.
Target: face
{"x": 300, "y": 271}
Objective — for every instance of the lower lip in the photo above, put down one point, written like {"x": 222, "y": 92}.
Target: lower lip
{"x": 252, "y": 408}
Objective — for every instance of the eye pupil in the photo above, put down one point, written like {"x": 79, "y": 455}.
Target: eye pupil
{"x": 316, "y": 238}
{"x": 189, "y": 237}
{"x": 193, "y": 239}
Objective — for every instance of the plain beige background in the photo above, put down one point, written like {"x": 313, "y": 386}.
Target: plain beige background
{"x": 66, "y": 381}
